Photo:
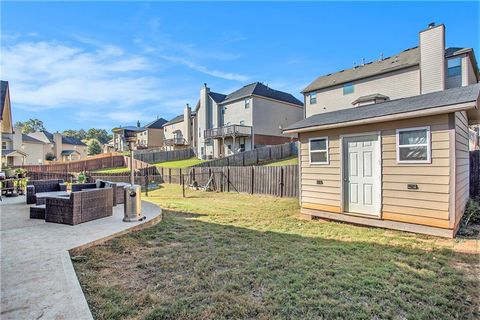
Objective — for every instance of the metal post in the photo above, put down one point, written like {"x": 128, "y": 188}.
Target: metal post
{"x": 183, "y": 185}
{"x": 132, "y": 174}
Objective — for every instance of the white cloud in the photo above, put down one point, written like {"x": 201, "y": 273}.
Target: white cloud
{"x": 50, "y": 75}
{"x": 203, "y": 69}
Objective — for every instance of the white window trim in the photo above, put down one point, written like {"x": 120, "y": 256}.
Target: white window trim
{"x": 247, "y": 105}
{"x": 310, "y": 96}
{"x": 428, "y": 145}
{"x": 310, "y": 151}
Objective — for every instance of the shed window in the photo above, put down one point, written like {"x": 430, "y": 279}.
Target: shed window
{"x": 247, "y": 103}
{"x": 348, "y": 88}
{"x": 313, "y": 98}
{"x": 454, "y": 67}
{"x": 413, "y": 145}
{"x": 319, "y": 150}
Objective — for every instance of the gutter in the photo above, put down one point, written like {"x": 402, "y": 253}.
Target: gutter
{"x": 392, "y": 117}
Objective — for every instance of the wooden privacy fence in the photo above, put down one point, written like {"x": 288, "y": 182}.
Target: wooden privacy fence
{"x": 114, "y": 161}
{"x": 475, "y": 173}
{"x": 254, "y": 157}
{"x": 281, "y": 181}
{"x": 155, "y": 156}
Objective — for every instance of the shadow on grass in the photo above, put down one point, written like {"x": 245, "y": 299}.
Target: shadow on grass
{"x": 185, "y": 268}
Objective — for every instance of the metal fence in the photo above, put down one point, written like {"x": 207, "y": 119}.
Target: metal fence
{"x": 155, "y": 156}
{"x": 254, "y": 157}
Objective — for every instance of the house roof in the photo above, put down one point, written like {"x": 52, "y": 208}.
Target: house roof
{"x": 156, "y": 124}
{"x": 375, "y": 112}
{"x": 27, "y": 138}
{"x": 12, "y": 153}
{"x": 370, "y": 97}
{"x": 405, "y": 59}
{"x": 3, "y": 94}
{"x": 69, "y": 152}
{"x": 131, "y": 128}
{"x": 65, "y": 139}
{"x": 261, "y": 90}
{"x": 177, "y": 119}
{"x": 217, "y": 97}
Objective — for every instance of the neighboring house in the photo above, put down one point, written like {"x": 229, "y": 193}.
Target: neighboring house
{"x": 250, "y": 117}
{"x": 178, "y": 132}
{"x": 10, "y": 152}
{"x": 108, "y": 147}
{"x": 63, "y": 148}
{"x": 153, "y": 136}
{"x": 119, "y": 142}
{"x": 400, "y": 159}
{"x": 34, "y": 149}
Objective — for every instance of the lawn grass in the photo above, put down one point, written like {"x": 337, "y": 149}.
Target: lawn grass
{"x": 179, "y": 163}
{"x": 284, "y": 162}
{"x": 113, "y": 170}
{"x": 227, "y": 255}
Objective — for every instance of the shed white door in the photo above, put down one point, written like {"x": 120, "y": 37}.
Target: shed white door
{"x": 362, "y": 169}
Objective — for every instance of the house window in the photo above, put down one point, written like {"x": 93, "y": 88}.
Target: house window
{"x": 319, "y": 150}
{"x": 454, "y": 67}
{"x": 313, "y": 98}
{"x": 4, "y": 145}
{"x": 242, "y": 122}
{"x": 223, "y": 110}
{"x": 199, "y": 132}
{"x": 413, "y": 145}
{"x": 247, "y": 103}
{"x": 347, "y": 88}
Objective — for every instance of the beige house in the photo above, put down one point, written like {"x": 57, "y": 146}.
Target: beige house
{"x": 63, "y": 148}
{"x": 10, "y": 151}
{"x": 178, "y": 132}
{"x": 153, "y": 136}
{"x": 251, "y": 117}
{"x": 386, "y": 144}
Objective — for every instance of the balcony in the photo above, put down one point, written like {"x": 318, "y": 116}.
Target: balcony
{"x": 179, "y": 141}
{"x": 228, "y": 131}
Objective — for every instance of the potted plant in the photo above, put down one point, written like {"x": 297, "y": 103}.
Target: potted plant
{"x": 20, "y": 172}
{"x": 82, "y": 177}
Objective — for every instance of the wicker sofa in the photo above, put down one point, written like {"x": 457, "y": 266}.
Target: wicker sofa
{"x": 118, "y": 196}
{"x": 38, "y": 186}
{"x": 81, "y": 206}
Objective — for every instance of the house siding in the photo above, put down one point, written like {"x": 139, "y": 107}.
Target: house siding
{"x": 270, "y": 116}
{"x": 432, "y": 59}
{"x": 429, "y": 205}
{"x": 395, "y": 85}
{"x": 462, "y": 164}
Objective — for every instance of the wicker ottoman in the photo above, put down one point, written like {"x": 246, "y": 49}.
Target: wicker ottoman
{"x": 37, "y": 212}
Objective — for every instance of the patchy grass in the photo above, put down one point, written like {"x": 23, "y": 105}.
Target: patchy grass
{"x": 180, "y": 163}
{"x": 226, "y": 255}
{"x": 113, "y": 170}
{"x": 284, "y": 162}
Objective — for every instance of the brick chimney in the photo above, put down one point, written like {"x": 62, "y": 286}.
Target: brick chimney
{"x": 187, "y": 112}
{"x": 58, "y": 147}
{"x": 432, "y": 58}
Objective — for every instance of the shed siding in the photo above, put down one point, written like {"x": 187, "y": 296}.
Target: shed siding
{"x": 429, "y": 205}
{"x": 462, "y": 165}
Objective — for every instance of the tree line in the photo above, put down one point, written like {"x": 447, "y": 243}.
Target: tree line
{"x": 92, "y": 137}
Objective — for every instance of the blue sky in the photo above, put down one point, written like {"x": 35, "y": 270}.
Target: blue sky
{"x": 103, "y": 64}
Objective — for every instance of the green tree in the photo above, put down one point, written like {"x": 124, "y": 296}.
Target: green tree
{"x": 31, "y": 125}
{"x": 93, "y": 147}
{"x": 79, "y": 134}
{"x": 100, "y": 134}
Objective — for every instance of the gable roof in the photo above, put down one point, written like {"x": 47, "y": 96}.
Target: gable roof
{"x": 177, "y": 119}
{"x": 370, "y": 97}
{"x": 156, "y": 124}
{"x": 65, "y": 139}
{"x": 405, "y": 59}
{"x": 27, "y": 138}
{"x": 3, "y": 95}
{"x": 374, "y": 112}
{"x": 217, "y": 97}
{"x": 261, "y": 90}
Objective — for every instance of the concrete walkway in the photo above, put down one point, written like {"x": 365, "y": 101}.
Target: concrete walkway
{"x": 37, "y": 277}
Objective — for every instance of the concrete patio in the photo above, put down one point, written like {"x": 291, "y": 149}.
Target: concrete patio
{"x": 37, "y": 277}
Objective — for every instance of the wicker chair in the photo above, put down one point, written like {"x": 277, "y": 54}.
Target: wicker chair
{"x": 38, "y": 186}
{"x": 81, "y": 206}
{"x": 99, "y": 184}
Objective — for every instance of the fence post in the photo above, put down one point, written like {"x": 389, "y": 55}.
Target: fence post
{"x": 146, "y": 183}
{"x": 169, "y": 175}
{"x": 180, "y": 176}
{"x": 183, "y": 185}
{"x": 281, "y": 182}
{"x": 228, "y": 179}
{"x": 253, "y": 180}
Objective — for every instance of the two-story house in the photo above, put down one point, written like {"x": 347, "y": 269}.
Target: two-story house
{"x": 386, "y": 143}
{"x": 178, "y": 132}
{"x": 62, "y": 148}
{"x": 253, "y": 116}
{"x": 152, "y": 136}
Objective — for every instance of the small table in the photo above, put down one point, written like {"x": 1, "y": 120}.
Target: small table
{"x": 42, "y": 196}
{"x": 13, "y": 187}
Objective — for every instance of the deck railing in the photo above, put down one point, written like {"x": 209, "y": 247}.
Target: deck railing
{"x": 175, "y": 142}
{"x": 228, "y": 131}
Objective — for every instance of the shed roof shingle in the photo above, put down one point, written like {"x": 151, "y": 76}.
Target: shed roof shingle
{"x": 411, "y": 104}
